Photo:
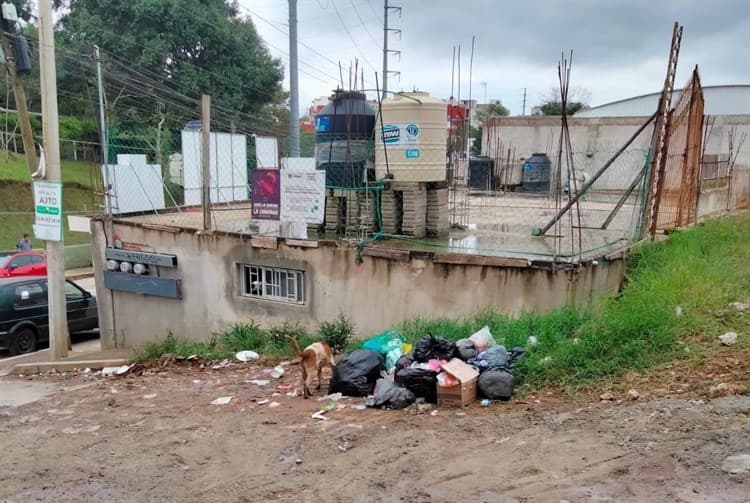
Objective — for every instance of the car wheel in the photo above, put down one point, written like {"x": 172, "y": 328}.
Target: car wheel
{"x": 24, "y": 341}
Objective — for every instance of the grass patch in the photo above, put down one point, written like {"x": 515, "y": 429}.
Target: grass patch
{"x": 73, "y": 172}
{"x": 699, "y": 270}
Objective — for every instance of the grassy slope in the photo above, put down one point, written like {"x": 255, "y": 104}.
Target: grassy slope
{"x": 700, "y": 270}
{"x": 16, "y": 196}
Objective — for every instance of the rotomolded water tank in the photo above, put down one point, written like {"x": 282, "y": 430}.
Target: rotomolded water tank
{"x": 481, "y": 175}
{"x": 536, "y": 173}
{"x": 343, "y": 139}
{"x": 412, "y": 138}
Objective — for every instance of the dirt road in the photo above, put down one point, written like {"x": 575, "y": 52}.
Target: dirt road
{"x": 156, "y": 438}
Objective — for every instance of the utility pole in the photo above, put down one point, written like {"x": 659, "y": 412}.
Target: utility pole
{"x": 386, "y": 30}
{"x": 19, "y": 92}
{"x": 206, "y": 160}
{"x": 484, "y": 88}
{"x": 523, "y": 111}
{"x": 58, "y": 315}
{"x": 293, "y": 82}
{"x": 103, "y": 135}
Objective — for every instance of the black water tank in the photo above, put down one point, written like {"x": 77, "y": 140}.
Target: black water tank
{"x": 343, "y": 139}
{"x": 22, "y": 54}
{"x": 536, "y": 172}
{"x": 480, "y": 173}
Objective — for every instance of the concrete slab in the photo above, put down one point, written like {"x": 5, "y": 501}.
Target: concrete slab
{"x": 66, "y": 365}
{"x": 16, "y": 392}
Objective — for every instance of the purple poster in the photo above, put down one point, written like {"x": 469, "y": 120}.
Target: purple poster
{"x": 266, "y": 197}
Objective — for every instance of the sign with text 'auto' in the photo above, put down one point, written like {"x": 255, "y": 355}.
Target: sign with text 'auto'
{"x": 48, "y": 211}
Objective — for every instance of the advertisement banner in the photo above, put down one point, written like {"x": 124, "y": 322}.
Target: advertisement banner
{"x": 400, "y": 135}
{"x": 266, "y": 196}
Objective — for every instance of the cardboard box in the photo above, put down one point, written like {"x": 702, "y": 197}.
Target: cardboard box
{"x": 463, "y": 393}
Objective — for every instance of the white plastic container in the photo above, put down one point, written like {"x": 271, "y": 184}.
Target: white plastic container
{"x": 413, "y": 131}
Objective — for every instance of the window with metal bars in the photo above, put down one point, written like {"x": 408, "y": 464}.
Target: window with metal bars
{"x": 273, "y": 283}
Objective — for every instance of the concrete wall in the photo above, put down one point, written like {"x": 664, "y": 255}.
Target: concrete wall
{"x": 377, "y": 293}
{"x": 596, "y": 139}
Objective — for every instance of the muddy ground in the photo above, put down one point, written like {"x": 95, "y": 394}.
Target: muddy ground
{"x": 154, "y": 436}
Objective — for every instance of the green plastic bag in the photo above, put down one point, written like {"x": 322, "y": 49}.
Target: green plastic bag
{"x": 385, "y": 342}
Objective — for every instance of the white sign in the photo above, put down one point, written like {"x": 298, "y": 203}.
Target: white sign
{"x": 266, "y": 152}
{"x": 303, "y": 196}
{"x": 48, "y": 211}
{"x": 400, "y": 135}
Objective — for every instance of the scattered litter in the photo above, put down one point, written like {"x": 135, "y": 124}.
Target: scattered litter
{"x": 633, "y": 394}
{"x": 192, "y": 358}
{"x": 221, "y": 365}
{"x": 112, "y": 371}
{"x": 277, "y": 372}
{"x": 258, "y": 382}
{"x": 196, "y": 381}
{"x": 284, "y": 387}
{"x": 737, "y": 464}
{"x": 222, "y": 400}
{"x": 434, "y": 413}
{"x": 607, "y": 396}
{"x": 486, "y": 402}
{"x": 263, "y": 402}
{"x": 360, "y": 407}
{"x": 345, "y": 447}
{"x": 293, "y": 393}
{"x": 273, "y": 405}
{"x": 728, "y": 338}
{"x": 246, "y": 356}
{"x": 150, "y": 396}
{"x": 334, "y": 396}
{"x": 678, "y": 311}
{"x": 532, "y": 341}
{"x": 740, "y": 306}
{"x": 86, "y": 370}
{"x": 319, "y": 414}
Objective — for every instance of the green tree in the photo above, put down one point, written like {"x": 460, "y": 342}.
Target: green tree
{"x": 493, "y": 109}
{"x": 578, "y": 99}
{"x": 157, "y": 52}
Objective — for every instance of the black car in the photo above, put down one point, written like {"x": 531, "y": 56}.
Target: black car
{"x": 24, "y": 314}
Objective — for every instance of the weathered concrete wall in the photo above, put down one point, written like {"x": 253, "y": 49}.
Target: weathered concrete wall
{"x": 377, "y": 293}
{"x": 596, "y": 139}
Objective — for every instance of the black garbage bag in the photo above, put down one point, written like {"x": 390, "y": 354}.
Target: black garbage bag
{"x": 355, "y": 374}
{"x": 431, "y": 347}
{"x": 421, "y": 382}
{"x": 466, "y": 349}
{"x": 405, "y": 361}
{"x": 517, "y": 355}
{"x": 496, "y": 384}
{"x": 494, "y": 357}
{"x": 391, "y": 395}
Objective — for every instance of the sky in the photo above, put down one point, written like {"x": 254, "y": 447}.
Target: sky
{"x": 620, "y": 47}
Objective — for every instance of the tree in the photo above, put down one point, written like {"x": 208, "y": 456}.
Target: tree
{"x": 161, "y": 54}
{"x": 578, "y": 99}
{"x": 493, "y": 109}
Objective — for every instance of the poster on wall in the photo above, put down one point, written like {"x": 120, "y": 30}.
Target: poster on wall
{"x": 303, "y": 196}
{"x": 400, "y": 135}
{"x": 266, "y": 197}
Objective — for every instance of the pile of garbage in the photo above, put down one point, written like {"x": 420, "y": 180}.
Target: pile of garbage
{"x": 393, "y": 374}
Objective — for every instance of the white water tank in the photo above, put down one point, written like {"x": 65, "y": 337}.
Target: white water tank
{"x": 411, "y": 137}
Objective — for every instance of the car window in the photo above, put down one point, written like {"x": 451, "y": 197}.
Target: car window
{"x": 21, "y": 260}
{"x": 72, "y": 293}
{"x": 37, "y": 259}
{"x": 30, "y": 294}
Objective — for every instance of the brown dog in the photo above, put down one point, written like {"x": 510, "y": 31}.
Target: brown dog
{"x": 312, "y": 360}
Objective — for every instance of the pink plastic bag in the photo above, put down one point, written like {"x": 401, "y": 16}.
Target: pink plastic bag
{"x": 435, "y": 365}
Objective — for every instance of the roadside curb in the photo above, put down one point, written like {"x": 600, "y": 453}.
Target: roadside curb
{"x": 80, "y": 275}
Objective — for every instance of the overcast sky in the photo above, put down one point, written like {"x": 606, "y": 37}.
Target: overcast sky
{"x": 619, "y": 46}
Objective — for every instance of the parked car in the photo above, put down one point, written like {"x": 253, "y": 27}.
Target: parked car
{"x": 24, "y": 313}
{"x": 26, "y": 263}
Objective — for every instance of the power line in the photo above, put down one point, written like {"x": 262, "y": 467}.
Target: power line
{"x": 378, "y": 45}
{"x": 338, "y": 14}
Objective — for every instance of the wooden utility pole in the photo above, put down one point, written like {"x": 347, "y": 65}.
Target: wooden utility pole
{"x": 206, "y": 160}
{"x": 58, "y": 316}
{"x": 19, "y": 92}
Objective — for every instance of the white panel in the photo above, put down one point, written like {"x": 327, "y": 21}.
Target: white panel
{"x": 266, "y": 152}
{"x": 136, "y": 186}
{"x": 298, "y": 163}
{"x": 79, "y": 223}
{"x": 228, "y": 167}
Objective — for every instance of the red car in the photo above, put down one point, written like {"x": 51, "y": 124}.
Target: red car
{"x": 26, "y": 263}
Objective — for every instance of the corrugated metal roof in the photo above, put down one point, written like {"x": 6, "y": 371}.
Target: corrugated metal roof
{"x": 719, "y": 100}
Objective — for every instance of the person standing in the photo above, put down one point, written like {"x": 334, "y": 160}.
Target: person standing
{"x": 24, "y": 244}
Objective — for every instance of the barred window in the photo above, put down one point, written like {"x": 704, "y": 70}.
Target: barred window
{"x": 273, "y": 283}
